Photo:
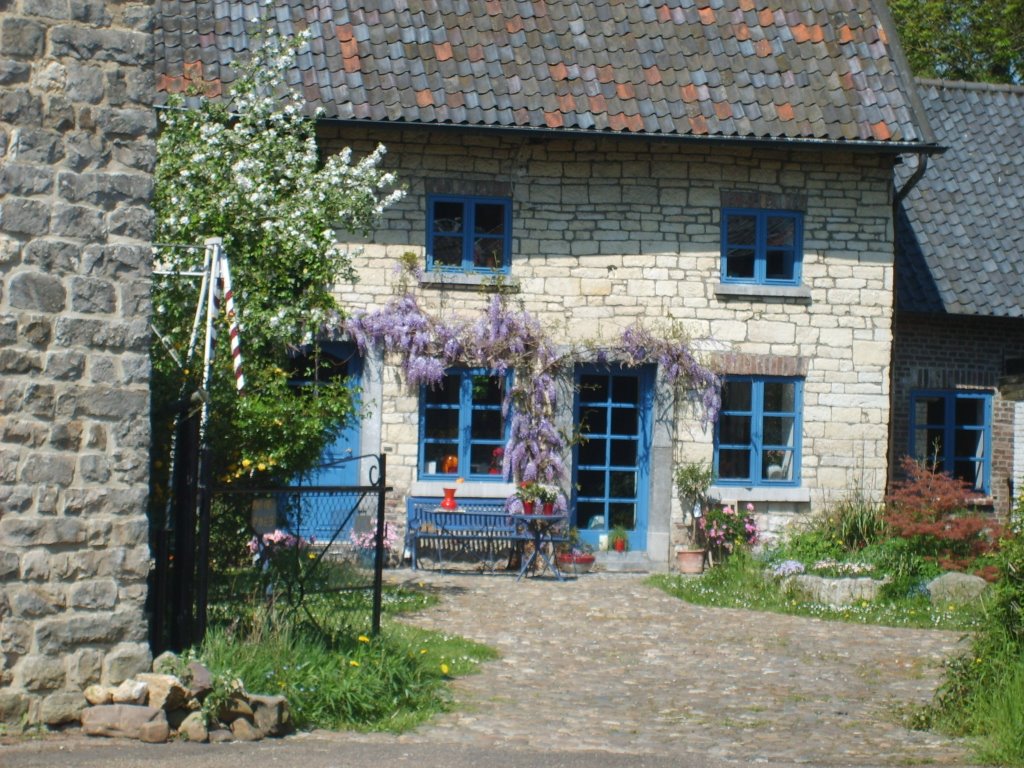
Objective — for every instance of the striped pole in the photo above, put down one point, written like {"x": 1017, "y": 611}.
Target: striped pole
{"x": 233, "y": 331}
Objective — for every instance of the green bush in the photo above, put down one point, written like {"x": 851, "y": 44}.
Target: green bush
{"x": 902, "y": 564}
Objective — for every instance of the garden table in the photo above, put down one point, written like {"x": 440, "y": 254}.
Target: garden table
{"x": 545, "y": 531}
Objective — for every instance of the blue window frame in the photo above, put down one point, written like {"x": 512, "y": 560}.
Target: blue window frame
{"x": 757, "y": 437}
{"x": 462, "y": 426}
{"x": 763, "y": 247}
{"x": 469, "y": 234}
{"x": 952, "y": 431}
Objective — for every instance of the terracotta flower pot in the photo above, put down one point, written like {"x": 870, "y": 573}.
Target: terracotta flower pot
{"x": 690, "y": 561}
{"x": 619, "y": 545}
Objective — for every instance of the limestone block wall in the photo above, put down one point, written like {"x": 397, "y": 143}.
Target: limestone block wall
{"x": 76, "y": 159}
{"x": 947, "y": 352}
{"x": 608, "y": 231}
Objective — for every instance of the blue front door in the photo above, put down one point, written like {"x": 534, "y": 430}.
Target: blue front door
{"x": 339, "y": 463}
{"x": 611, "y": 464}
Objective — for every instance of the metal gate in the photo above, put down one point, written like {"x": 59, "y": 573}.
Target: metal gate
{"x": 295, "y": 543}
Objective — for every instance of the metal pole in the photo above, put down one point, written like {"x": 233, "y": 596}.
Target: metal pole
{"x": 378, "y": 562}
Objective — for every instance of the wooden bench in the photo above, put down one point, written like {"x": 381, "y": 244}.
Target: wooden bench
{"x": 477, "y": 531}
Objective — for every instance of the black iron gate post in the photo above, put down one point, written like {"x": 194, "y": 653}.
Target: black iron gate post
{"x": 378, "y": 560}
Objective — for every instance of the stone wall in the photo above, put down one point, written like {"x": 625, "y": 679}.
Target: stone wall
{"x": 608, "y": 231}
{"x": 957, "y": 352}
{"x": 76, "y": 161}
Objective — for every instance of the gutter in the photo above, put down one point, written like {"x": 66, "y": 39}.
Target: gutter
{"x": 922, "y": 166}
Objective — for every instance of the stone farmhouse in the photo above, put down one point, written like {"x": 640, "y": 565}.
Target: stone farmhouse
{"x": 727, "y": 166}
{"x": 959, "y": 322}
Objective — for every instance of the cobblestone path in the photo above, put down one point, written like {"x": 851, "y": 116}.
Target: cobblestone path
{"x": 608, "y": 663}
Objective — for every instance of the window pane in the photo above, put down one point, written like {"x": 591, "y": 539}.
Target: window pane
{"x": 487, "y": 425}
{"x": 971, "y": 472}
{"x": 489, "y": 219}
{"x": 740, "y": 229}
{"x": 447, "y": 217}
{"x": 733, "y": 464}
{"x": 739, "y": 263}
{"x": 736, "y": 395}
{"x": 441, "y": 424}
{"x": 487, "y": 253}
{"x": 626, "y": 389}
{"x": 777, "y": 465}
{"x": 487, "y": 390}
{"x": 929, "y": 410}
{"x": 445, "y": 394}
{"x": 593, "y": 421}
{"x": 592, "y": 451}
{"x": 781, "y": 230}
{"x": 623, "y": 514}
{"x": 481, "y": 459}
{"x": 929, "y": 445}
{"x": 448, "y": 251}
{"x": 593, "y": 389}
{"x": 734, "y": 430}
{"x": 778, "y": 265}
{"x": 590, "y": 515}
{"x": 625, "y": 421}
{"x": 779, "y": 396}
{"x": 591, "y": 483}
{"x": 624, "y": 453}
{"x": 778, "y": 430}
{"x": 969, "y": 442}
{"x": 444, "y": 456}
{"x": 623, "y": 485}
{"x": 970, "y": 411}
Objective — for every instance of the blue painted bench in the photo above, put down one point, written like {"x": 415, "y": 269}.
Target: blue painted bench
{"x": 480, "y": 532}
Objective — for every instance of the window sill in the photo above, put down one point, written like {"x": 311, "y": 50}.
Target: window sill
{"x": 759, "y": 493}
{"x": 471, "y": 489}
{"x": 799, "y": 294}
{"x": 470, "y": 281}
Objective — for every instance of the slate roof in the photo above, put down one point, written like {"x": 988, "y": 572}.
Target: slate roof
{"x": 960, "y": 233}
{"x": 812, "y": 70}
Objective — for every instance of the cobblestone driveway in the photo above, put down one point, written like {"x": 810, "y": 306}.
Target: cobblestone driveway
{"x": 608, "y": 663}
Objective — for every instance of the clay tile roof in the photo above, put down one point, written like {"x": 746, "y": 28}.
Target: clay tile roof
{"x": 960, "y": 232}
{"x": 818, "y": 70}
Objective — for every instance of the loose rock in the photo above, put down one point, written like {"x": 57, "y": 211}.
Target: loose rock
{"x": 119, "y": 720}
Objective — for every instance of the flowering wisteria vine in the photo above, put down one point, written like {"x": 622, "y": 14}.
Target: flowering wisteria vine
{"x": 506, "y": 338}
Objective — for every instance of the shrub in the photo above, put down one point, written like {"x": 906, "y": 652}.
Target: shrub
{"x": 856, "y": 520}
{"x": 928, "y": 509}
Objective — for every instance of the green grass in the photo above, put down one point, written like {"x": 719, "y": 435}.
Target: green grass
{"x": 740, "y": 583}
{"x": 335, "y": 676}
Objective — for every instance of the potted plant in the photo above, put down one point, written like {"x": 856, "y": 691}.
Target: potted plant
{"x": 575, "y": 554}
{"x": 618, "y": 539}
{"x": 725, "y": 528}
{"x": 547, "y": 495}
{"x": 527, "y": 495}
{"x": 692, "y": 482}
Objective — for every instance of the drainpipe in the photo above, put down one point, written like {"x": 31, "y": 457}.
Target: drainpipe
{"x": 922, "y": 166}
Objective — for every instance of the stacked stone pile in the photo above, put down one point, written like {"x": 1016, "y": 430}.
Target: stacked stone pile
{"x": 154, "y": 707}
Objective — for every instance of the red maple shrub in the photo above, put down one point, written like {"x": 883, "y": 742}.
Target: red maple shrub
{"x": 932, "y": 510}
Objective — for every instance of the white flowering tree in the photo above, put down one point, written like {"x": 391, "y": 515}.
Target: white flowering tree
{"x": 246, "y": 169}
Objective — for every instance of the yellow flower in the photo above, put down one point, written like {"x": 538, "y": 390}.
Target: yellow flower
{"x": 261, "y": 466}
{"x": 364, "y": 639}
{"x": 422, "y": 651}
{"x": 353, "y": 663}
{"x": 246, "y": 463}
{"x": 444, "y": 669}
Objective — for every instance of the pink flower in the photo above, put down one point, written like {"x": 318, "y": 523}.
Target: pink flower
{"x": 750, "y": 507}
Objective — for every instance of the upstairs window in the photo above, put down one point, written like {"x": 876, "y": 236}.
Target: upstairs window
{"x": 757, "y": 437}
{"x": 469, "y": 234}
{"x": 951, "y": 431}
{"x": 762, "y": 247}
{"x": 462, "y": 428}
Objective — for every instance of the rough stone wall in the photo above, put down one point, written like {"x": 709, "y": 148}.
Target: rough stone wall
{"x": 76, "y": 160}
{"x": 949, "y": 352}
{"x": 607, "y": 232}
